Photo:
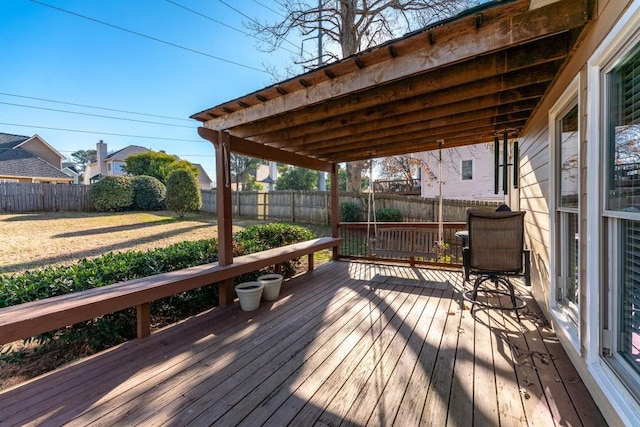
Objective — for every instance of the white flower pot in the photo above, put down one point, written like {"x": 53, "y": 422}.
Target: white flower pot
{"x": 272, "y": 283}
{"x": 249, "y": 294}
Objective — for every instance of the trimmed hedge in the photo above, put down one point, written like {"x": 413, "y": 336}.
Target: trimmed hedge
{"x": 261, "y": 237}
{"x": 350, "y": 212}
{"x": 388, "y": 215}
{"x": 183, "y": 192}
{"x": 148, "y": 193}
{"x": 112, "y": 193}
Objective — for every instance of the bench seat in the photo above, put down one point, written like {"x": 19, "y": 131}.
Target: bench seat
{"x": 36, "y": 317}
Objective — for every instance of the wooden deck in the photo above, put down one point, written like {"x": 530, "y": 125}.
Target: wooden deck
{"x": 350, "y": 343}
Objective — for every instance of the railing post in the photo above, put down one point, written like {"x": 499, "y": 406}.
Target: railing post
{"x": 335, "y": 210}
{"x": 310, "y": 265}
{"x": 143, "y": 318}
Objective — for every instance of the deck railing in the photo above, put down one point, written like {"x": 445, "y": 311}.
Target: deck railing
{"x": 357, "y": 244}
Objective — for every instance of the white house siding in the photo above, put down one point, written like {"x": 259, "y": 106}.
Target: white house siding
{"x": 480, "y": 187}
{"x": 535, "y": 200}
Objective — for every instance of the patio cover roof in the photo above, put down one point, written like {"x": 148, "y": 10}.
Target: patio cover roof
{"x": 462, "y": 81}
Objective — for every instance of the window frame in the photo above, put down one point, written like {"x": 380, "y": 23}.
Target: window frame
{"x": 568, "y": 320}
{"x": 619, "y": 41}
{"x": 462, "y": 170}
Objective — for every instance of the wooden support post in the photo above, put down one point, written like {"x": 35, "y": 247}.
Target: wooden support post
{"x": 223, "y": 206}
{"x": 278, "y": 269}
{"x": 335, "y": 211}
{"x": 310, "y": 262}
{"x": 143, "y": 317}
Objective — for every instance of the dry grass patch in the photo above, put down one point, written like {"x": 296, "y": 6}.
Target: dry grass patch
{"x": 56, "y": 238}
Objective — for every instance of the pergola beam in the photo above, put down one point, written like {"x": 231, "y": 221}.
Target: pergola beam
{"x": 252, "y": 149}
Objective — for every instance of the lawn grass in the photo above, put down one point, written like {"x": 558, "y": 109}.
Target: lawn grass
{"x": 36, "y": 240}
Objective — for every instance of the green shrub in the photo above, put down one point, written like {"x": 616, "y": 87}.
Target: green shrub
{"x": 148, "y": 193}
{"x": 112, "y": 193}
{"x": 350, "y": 212}
{"x": 183, "y": 192}
{"x": 388, "y": 215}
{"x": 261, "y": 237}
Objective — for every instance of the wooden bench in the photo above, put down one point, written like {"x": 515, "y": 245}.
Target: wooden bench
{"x": 36, "y": 317}
{"x": 407, "y": 242}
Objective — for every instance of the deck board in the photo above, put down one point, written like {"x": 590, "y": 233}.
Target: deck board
{"x": 347, "y": 343}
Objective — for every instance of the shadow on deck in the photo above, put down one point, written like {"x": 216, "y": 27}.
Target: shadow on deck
{"x": 349, "y": 342}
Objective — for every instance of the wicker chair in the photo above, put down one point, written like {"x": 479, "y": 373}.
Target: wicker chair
{"x": 495, "y": 251}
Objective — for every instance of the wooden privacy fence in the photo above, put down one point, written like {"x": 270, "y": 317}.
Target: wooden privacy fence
{"x": 294, "y": 206}
{"x": 39, "y": 197}
{"x": 315, "y": 206}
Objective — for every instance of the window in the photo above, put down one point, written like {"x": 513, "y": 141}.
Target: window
{"x": 565, "y": 204}
{"x": 568, "y": 169}
{"x": 622, "y": 217}
{"x": 467, "y": 170}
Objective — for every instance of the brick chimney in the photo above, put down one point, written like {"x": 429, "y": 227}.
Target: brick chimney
{"x": 101, "y": 151}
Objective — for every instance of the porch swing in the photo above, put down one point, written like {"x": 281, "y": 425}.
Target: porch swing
{"x": 406, "y": 241}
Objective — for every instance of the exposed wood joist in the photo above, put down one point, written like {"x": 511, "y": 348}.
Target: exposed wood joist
{"x": 404, "y": 112}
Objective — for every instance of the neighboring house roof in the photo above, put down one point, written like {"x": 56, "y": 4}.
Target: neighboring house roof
{"x": 125, "y": 152}
{"x": 9, "y": 141}
{"x": 202, "y": 176}
{"x": 19, "y": 162}
{"x": 71, "y": 167}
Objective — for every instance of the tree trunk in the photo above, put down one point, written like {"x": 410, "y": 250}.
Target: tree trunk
{"x": 354, "y": 175}
{"x": 349, "y": 44}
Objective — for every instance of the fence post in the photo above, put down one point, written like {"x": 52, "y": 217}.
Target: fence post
{"x": 293, "y": 207}
{"x": 326, "y": 207}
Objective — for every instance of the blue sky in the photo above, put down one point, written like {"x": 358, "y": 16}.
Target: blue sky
{"x": 53, "y": 55}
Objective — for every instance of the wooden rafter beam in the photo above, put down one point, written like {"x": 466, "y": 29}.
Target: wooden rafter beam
{"x": 252, "y": 149}
{"x": 428, "y": 130}
{"x": 420, "y": 146}
{"x": 442, "y": 104}
{"x": 407, "y": 141}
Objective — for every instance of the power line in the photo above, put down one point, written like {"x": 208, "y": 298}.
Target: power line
{"x": 268, "y": 8}
{"x": 188, "y": 49}
{"x": 94, "y": 115}
{"x": 177, "y": 154}
{"x": 252, "y": 20}
{"x": 100, "y": 133}
{"x": 223, "y": 24}
{"x": 94, "y": 107}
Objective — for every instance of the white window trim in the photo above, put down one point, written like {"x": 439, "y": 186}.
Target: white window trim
{"x": 462, "y": 170}
{"x": 619, "y": 42}
{"x": 570, "y": 96}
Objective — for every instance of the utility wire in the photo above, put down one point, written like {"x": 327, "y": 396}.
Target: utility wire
{"x": 223, "y": 24}
{"x": 94, "y": 107}
{"x": 177, "y": 154}
{"x": 94, "y": 115}
{"x": 100, "y": 133}
{"x": 268, "y": 8}
{"x": 252, "y": 20}
{"x": 188, "y": 49}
